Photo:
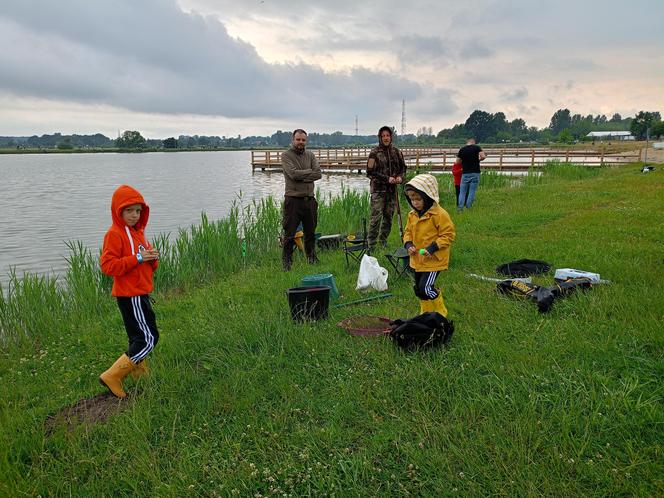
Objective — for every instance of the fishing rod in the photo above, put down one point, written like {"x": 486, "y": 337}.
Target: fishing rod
{"x": 364, "y": 300}
{"x": 396, "y": 198}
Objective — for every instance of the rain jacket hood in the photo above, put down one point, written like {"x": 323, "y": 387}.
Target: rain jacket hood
{"x": 126, "y": 195}
{"x": 427, "y": 187}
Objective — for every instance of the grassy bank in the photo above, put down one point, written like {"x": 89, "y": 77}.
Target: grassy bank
{"x": 243, "y": 402}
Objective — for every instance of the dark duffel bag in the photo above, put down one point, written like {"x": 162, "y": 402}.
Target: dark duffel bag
{"x": 422, "y": 332}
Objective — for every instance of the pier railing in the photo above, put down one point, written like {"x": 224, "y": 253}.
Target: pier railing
{"x": 442, "y": 158}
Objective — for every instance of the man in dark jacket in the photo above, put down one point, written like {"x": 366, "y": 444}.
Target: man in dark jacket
{"x": 387, "y": 169}
{"x": 301, "y": 170}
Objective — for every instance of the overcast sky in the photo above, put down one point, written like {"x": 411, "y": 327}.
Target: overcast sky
{"x": 221, "y": 67}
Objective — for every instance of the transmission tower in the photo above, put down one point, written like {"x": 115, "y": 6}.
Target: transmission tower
{"x": 356, "y": 133}
{"x": 403, "y": 117}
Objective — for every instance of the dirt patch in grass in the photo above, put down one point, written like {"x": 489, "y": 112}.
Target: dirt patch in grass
{"x": 86, "y": 411}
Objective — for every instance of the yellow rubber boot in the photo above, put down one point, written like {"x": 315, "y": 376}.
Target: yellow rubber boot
{"x": 425, "y": 305}
{"x": 112, "y": 378}
{"x": 438, "y": 305}
{"x": 140, "y": 370}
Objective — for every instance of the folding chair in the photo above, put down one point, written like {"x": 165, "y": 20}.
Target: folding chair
{"x": 357, "y": 247}
{"x": 400, "y": 261}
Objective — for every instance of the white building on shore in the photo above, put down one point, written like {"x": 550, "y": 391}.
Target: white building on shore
{"x": 610, "y": 135}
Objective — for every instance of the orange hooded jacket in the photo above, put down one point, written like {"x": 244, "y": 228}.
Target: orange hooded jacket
{"x": 121, "y": 243}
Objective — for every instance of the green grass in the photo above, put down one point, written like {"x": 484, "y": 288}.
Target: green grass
{"x": 241, "y": 401}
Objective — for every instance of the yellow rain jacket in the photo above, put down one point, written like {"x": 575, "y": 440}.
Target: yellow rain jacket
{"x": 430, "y": 228}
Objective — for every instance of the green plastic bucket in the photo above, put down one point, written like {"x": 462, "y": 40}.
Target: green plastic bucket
{"x": 322, "y": 279}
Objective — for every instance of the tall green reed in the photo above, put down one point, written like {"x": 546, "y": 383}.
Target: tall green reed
{"x": 495, "y": 179}
{"x": 260, "y": 229}
{"x": 30, "y": 306}
{"x": 344, "y": 213}
{"x": 560, "y": 170}
{"x": 85, "y": 284}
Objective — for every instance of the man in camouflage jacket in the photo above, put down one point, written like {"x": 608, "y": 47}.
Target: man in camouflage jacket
{"x": 386, "y": 168}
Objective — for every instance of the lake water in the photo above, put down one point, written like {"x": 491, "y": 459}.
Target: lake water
{"x": 47, "y": 199}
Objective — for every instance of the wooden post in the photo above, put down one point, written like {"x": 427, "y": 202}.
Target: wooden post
{"x": 268, "y": 157}
{"x": 567, "y": 156}
{"x": 601, "y": 158}
{"x": 532, "y": 158}
{"x": 500, "y": 164}
{"x": 444, "y": 160}
{"x": 253, "y": 165}
{"x": 640, "y": 154}
{"x": 417, "y": 161}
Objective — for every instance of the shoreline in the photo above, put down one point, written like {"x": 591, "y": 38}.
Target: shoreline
{"x": 615, "y": 147}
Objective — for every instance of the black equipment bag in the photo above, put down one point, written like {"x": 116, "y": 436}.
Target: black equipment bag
{"x": 422, "y": 332}
{"x": 569, "y": 286}
{"x": 543, "y": 296}
{"x": 523, "y": 268}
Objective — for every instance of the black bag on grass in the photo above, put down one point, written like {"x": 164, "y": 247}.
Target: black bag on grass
{"x": 543, "y": 296}
{"x": 523, "y": 268}
{"x": 569, "y": 286}
{"x": 422, "y": 332}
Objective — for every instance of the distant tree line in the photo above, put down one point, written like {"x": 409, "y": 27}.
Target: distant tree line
{"x": 57, "y": 139}
{"x": 564, "y": 127}
{"x": 486, "y": 127}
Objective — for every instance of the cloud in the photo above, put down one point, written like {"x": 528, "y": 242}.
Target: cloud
{"x": 515, "y": 94}
{"x": 414, "y": 49}
{"x": 436, "y": 103}
{"x": 152, "y": 57}
{"x": 574, "y": 64}
{"x": 475, "y": 49}
{"x": 300, "y": 62}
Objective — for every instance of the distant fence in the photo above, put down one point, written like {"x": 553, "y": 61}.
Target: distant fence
{"x": 442, "y": 158}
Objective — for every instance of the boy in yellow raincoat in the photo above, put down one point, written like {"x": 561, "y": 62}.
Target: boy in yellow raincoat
{"x": 427, "y": 238}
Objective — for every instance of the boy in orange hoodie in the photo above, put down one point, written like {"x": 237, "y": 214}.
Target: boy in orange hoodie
{"x": 128, "y": 257}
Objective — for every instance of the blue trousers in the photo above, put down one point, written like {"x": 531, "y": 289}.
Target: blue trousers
{"x": 469, "y": 183}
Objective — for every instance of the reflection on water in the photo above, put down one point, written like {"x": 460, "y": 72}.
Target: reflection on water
{"x": 48, "y": 199}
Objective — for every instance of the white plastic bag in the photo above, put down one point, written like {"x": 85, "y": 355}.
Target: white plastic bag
{"x": 372, "y": 275}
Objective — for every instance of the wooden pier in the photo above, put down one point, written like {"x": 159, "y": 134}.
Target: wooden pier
{"x": 442, "y": 158}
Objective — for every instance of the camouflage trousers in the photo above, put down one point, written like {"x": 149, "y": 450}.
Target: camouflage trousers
{"x": 382, "y": 212}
